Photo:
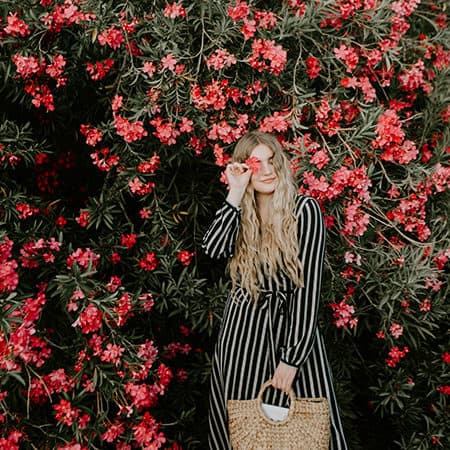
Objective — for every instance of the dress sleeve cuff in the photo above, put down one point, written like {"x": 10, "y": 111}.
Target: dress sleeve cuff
{"x": 288, "y": 363}
{"x": 234, "y": 208}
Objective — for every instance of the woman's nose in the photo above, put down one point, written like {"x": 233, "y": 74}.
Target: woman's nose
{"x": 266, "y": 169}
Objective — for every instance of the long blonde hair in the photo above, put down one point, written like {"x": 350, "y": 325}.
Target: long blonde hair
{"x": 263, "y": 250}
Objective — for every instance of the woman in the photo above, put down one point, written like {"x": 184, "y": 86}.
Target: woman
{"x": 269, "y": 328}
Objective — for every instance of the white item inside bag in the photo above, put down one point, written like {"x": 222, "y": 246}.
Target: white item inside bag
{"x": 275, "y": 413}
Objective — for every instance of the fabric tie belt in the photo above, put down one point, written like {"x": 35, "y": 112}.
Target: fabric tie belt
{"x": 265, "y": 298}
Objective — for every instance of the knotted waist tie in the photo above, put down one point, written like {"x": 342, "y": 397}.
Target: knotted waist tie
{"x": 265, "y": 298}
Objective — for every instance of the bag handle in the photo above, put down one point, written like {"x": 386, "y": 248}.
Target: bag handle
{"x": 291, "y": 406}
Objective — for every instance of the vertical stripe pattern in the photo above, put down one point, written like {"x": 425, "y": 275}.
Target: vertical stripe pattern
{"x": 281, "y": 326}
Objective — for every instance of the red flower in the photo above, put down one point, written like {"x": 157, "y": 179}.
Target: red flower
{"x": 149, "y": 262}
{"x": 185, "y": 257}
{"x": 61, "y": 221}
{"x": 83, "y": 219}
{"x": 25, "y": 210}
{"x": 65, "y": 413}
{"x": 312, "y": 67}
{"x": 128, "y": 240}
{"x": 99, "y": 70}
{"x": 395, "y": 355}
{"x": 444, "y": 390}
{"x": 446, "y": 357}
{"x": 253, "y": 163}
{"x": 89, "y": 320}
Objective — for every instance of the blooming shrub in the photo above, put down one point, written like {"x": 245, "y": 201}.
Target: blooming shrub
{"x": 117, "y": 120}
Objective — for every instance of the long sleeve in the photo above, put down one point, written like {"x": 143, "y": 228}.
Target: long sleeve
{"x": 303, "y": 311}
{"x": 219, "y": 239}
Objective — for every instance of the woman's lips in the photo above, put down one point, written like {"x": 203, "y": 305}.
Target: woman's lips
{"x": 270, "y": 180}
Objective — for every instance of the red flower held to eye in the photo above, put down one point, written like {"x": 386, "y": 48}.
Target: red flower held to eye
{"x": 253, "y": 163}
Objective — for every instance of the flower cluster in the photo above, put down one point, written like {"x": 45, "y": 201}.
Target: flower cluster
{"x": 9, "y": 278}
{"x": 391, "y": 139}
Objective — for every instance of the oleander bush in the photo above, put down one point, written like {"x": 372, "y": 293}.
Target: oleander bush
{"x": 116, "y": 120}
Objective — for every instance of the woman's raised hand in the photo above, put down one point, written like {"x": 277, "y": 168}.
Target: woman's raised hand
{"x": 238, "y": 175}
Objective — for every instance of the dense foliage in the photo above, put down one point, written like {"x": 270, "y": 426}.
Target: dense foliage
{"x": 116, "y": 120}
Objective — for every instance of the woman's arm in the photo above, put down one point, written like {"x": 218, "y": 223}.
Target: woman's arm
{"x": 304, "y": 307}
{"x": 218, "y": 241}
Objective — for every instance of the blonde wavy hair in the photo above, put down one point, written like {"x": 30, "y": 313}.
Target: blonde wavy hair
{"x": 263, "y": 249}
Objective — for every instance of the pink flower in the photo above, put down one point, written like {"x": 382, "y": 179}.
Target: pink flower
{"x": 425, "y": 305}
{"x": 219, "y": 59}
{"x": 149, "y": 68}
{"x": 348, "y": 55}
{"x": 56, "y": 68}
{"x": 83, "y": 258}
{"x": 130, "y": 131}
{"x": 278, "y": 121}
{"x": 93, "y": 135}
{"x": 267, "y": 56}
{"x": 103, "y": 160}
{"x": 320, "y": 159}
{"x": 444, "y": 390}
{"x": 343, "y": 315}
{"x": 147, "y": 301}
{"x": 116, "y": 103}
{"x": 168, "y": 62}
{"x": 145, "y": 213}
{"x": 166, "y": 131}
{"x": 396, "y": 330}
{"x": 27, "y": 65}
{"x": 186, "y": 125}
{"x": 239, "y": 12}
{"x": 446, "y": 357}
{"x": 16, "y": 26}
{"x": 112, "y": 354}
{"x": 123, "y": 309}
{"x": 174, "y": 10}
{"x": 112, "y": 37}
{"x": 83, "y": 219}
{"x": 114, "y": 431}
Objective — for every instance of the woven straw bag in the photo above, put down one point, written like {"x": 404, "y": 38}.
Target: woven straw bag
{"x": 307, "y": 426}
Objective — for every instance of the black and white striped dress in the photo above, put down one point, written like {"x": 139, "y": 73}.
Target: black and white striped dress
{"x": 282, "y": 326}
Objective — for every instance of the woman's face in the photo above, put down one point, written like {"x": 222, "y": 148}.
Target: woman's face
{"x": 266, "y": 179}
